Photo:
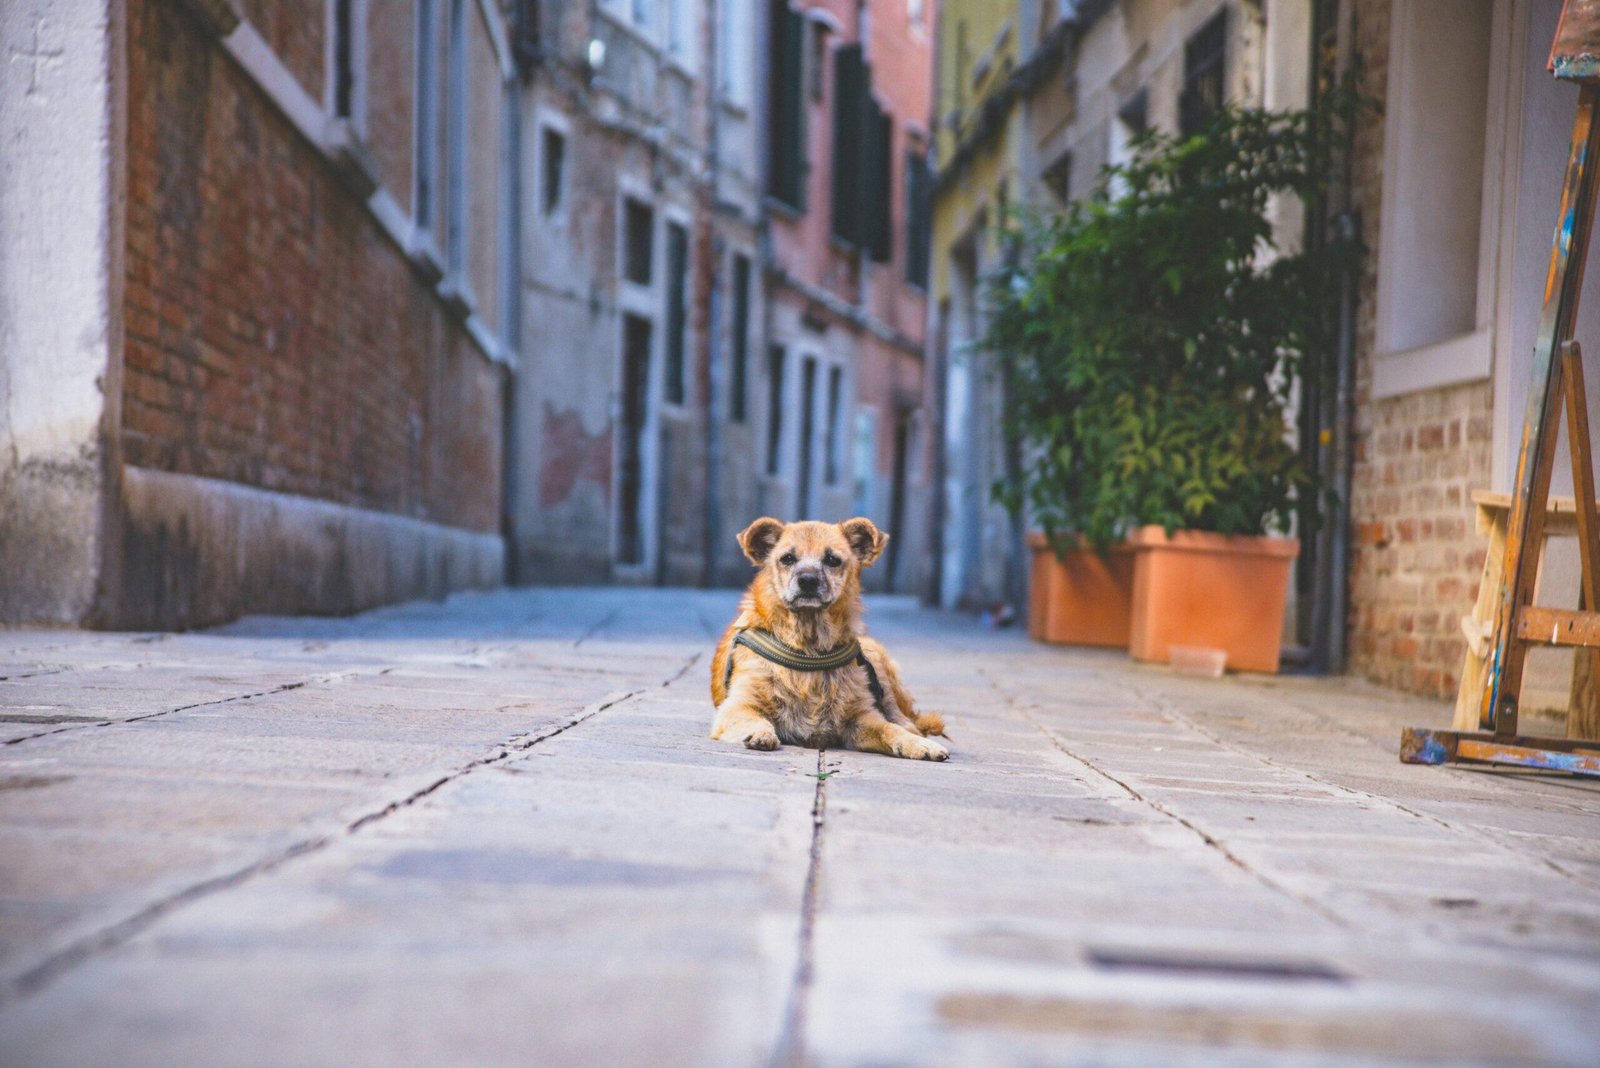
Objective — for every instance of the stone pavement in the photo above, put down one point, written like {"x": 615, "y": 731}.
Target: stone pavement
{"x": 494, "y": 831}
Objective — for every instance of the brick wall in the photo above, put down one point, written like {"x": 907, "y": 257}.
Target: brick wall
{"x": 1416, "y": 557}
{"x": 276, "y": 337}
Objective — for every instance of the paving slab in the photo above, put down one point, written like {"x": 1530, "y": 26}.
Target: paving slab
{"x": 493, "y": 831}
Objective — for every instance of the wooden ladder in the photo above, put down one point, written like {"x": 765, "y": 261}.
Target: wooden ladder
{"x": 1519, "y": 624}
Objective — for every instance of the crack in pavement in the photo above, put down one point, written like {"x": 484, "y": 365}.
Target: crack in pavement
{"x": 119, "y": 933}
{"x": 1466, "y": 830}
{"x": 596, "y": 627}
{"x": 1211, "y": 841}
{"x": 330, "y": 677}
{"x": 790, "y": 1051}
{"x": 32, "y": 674}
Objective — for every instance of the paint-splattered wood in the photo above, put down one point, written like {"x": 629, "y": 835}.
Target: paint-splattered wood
{"x": 1422, "y": 745}
{"x": 1575, "y": 54}
{"x": 1559, "y": 626}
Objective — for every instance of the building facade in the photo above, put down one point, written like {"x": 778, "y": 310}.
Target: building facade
{"x": 1035, "y": 100}
{"x": 640, "y": 206}
{"x": 1456, "y": 181}
{"x": 976, "y": 160}
{"x": 713, "y": 335}
{"x": 255, "y": 290}
{"x": 846, "y": 431}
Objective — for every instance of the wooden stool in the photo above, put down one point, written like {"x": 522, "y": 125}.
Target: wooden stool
{"x": 1561, "y": 520}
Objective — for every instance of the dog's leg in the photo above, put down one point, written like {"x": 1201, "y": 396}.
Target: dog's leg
{"x": 738, "y": 721}
{"x": 899, "y": 708}
{"x": 874, "y": 734}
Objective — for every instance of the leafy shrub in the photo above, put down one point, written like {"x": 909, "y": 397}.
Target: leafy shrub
{"x": 1150, "y": 340}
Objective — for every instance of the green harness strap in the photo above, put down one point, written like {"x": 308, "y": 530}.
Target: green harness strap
{"x": 767, "y": 646}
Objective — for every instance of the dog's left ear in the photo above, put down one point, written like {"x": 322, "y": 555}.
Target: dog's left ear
{"x": 757, "y": 539}
{"x": 865, "y": 538}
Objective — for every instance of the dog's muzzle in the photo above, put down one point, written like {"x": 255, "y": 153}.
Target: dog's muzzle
{"x": 808, "y": 589}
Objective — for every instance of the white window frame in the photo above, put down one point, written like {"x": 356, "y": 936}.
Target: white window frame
{"x": 1467, "y": 356}
{"x": 643, "y": 302}
{"x": 424, "y": 138}
{"x": 679, "y": 216}
{"x": 456, "y": 134}
{"x": 557, "y": 123}
{"x": 834, "y": 437}
{"x": 736, "y": 53}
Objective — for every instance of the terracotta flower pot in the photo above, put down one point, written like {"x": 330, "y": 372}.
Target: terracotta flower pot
{"x": 1214, "y": 591}
{"x": 1081, "y": 598}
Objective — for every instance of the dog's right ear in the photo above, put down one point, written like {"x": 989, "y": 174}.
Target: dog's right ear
{"x": 757, "y": 539}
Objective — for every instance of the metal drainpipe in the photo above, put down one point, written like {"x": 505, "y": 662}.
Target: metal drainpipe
{"x": 1348, "y": 228}
{"x": 1331, "y": 652}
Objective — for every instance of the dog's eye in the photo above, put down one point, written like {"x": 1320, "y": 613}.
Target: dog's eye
{"x": 788, "y": 559}
{"x": 830, "y": 559}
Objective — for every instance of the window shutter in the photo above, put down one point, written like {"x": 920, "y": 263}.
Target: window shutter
{"x": 786, "y": 157}
{"x": 878, "y": 213}
{"x": 849, "y": 141}
{"x": 918, "y": 190}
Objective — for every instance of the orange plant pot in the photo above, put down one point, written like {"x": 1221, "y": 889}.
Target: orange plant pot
{"x": 1084, "y": 598}
{"x": 1211, "y": 590}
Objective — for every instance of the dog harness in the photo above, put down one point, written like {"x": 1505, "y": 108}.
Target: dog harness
{"x": 769, "y": 647}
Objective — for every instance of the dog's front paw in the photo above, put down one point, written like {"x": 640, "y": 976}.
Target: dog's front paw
{"x": 915, "y": 748}
{"x": 762, "y": 737}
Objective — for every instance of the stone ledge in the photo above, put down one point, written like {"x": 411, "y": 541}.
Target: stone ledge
{"x": 199, "y": 551}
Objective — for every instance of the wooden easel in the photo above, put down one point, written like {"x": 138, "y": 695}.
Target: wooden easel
{"x": 1557, "y": 378}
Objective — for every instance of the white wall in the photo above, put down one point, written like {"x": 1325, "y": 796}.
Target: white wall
{"x": 61, "y": 121}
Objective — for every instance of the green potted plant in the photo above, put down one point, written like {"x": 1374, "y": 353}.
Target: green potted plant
{"x": 1151, "y": 337}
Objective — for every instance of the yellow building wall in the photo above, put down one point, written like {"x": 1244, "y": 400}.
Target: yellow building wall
{"x": 977, "y": 55}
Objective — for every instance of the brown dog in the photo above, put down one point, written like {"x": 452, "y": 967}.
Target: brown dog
{"x": 807, "y": 597}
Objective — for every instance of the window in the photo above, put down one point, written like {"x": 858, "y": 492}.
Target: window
{"x": 553, "y": 159}
{"x": 1203, "y": 70}
{"x": 1128, "y": 124}
{"x": 1058, "y": 179}
{"x": 344, "y": 59}
{"x": 817, "y": 61}
{"x": 456, "y": 144}
{"x": 830, "y": 445}
{"x": 774, "y": 409}
{"x": 740, "y": 347}
{"x": 1429, "y": 330}
{"x": 525, "y": 43}
{"x": 961, "y": 64}
{"x": 679, "y": 31}
{"x": 850, "y": 80}
{"x": 639, "y": 241}
{"x": 427, "y": 114}
{"x": 862, "y": 135}
{"x": 786, "y": 126}
{"x": 919, "y": 188}
{"x": 735, "y": 32}
{"x": 677, "y": 310}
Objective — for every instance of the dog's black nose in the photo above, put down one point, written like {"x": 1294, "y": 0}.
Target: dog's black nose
{"x": 807, "y": 583}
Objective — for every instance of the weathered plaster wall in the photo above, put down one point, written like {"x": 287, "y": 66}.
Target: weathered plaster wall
{"x": 61, "y": 113}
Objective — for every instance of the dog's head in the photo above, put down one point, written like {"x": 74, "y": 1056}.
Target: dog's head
{"x": 812, "y": 565}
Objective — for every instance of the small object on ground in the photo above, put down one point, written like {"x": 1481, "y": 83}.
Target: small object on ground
{"x": 997, "y": 615}
{"x": 1198, "y": 660}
